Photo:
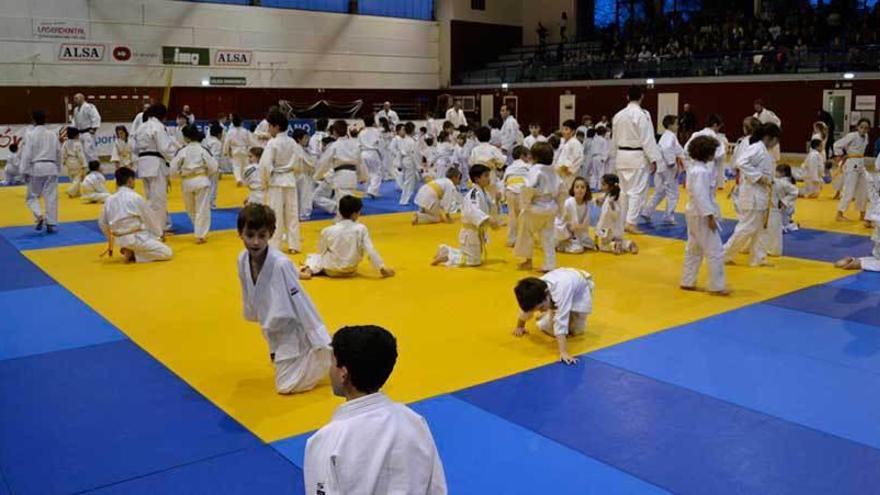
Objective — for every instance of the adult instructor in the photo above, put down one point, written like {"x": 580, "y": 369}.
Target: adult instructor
{"x": 635, "y": 153}
{"x": 87, "y": 120}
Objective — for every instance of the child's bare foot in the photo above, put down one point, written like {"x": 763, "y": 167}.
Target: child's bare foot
{"x": 762, "y": 263}
{"x": 415, "y": 220}
{"x": 201, "y": 240}
{"x": 730, "y": 263}
{"x": 633, "y": 248}
{"x": 688, "y": 287}
{"x": 836, "y": 195}
{"x": 305, "y": 273}
{"x": 840, "y": 217}
{"x": 525, "y": 265}
{"x": 439, "y": 260}
{"x": 127, "y": 255}
{"x": 848, "y": 263}
{"x": 722, "y": 292}
{"x": 632, "y": 229}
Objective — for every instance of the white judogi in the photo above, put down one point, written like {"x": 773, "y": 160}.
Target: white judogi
{"x": 87, "y": 120}
{"x": 215, "y": 148}
{"x": 477, "y": 206}
{"x": 541, "y": 202}
{"x": 854, "y": 185}
{"x": 121, "y": 154}
{"x": 343, "y": 168}
{"x": 814, "y": 168}
{"x": 41, "y": 163}
{"x": 666, "y": 177}
{"x": 571, "y": 292}
{"x": 784, "y": 196}
{"x": 633, "y": 149}
{"x": 702, "y": 242}
{"x": 390, "y": 115}
{"x": 573, "y": 228}
{"x": 138, "y": 120}
{"x": 598, "y": 161}
{"x": 444, "y": 159}
{"x": 753, "y": 201}
{"x": 12, "y": 170}
{"x": 410, "y": 161}
{"x": 373, "y": 446}
{"x": 94, "y": 188}
{"x": 514, "y": 179}
{"x": 132, "y": 224}
{"x": 341, "y": 248}
{"x": 491, "y": 156}
{"x": 568, "y": 164}
{"x": 370, "y": 140}
{"x": 298, "y": 340}
{"x": 261, "y": 133}
{"x": 510, "y": 134}
{"x": 154, "y": 149}
{"x": 435, "y": 200}
{"x": 872, "y": 263}
{"x": 237, "y": 145}
{"x": 530, "y": 140}
{"x": 609, "y": 228}
{"x": 718, "y": 163}
{"x": 195, "y": 166}
{"x": 457, "y": 118}
{"x": 278, "y": 170}
{"x": 768, "y": 117}
{"x": 252, "y": 178}
{"x": 75, "y": 162}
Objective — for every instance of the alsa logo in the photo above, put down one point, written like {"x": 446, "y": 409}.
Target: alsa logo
{"x": 81, "y": 52}
{"x": 233, "y": 57}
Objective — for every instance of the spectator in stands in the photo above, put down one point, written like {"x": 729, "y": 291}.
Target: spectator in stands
{"x": 563, "y": 27}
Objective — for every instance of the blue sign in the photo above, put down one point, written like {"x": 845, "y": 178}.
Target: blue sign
{"x": 307, "y": 125}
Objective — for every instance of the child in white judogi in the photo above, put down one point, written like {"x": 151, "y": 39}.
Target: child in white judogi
{"x": 598, "y": 158}
{"x": 94, "y": 186}
{"x": 476, "y": 216}
{"x": 304, "y": 169}
{"x": 74, "y": 159}
{"x": 750, "y": 125}
{"x": 666, "y": 177}
{"x": 236, "y": 145}
{"x": 851, "y": 149}
{"x": 814, "y": 168}
{"x": 485, "y": 153}
{"x": 784, "y": 195}
{"x": 462, "y": 156}
{"x": 195, "y": 166}
{"x": 131, "y": 224}
{"x": 534, "y": 136}
{"x": 869, "y": 263}
{"x": 610, "y": 226}
{"x": 429, "y": 156}
{"x": 713, "y": 130}
{"x": 410, "y": 159}
{"x": 541, "y": 200}
{"x": 341, "y": 166}
{"x": 41, "y": 163}
{"x": 372, "y": 445}
{"x": 214, "y": 146}
{"x": 444, "y": 154}
{"x": 438, "y": 198}
{"x": 702, "y": 216}
{"x": 563, "y": 298}
{"x": 299, "y": 345}
{"x": 343, "y": 245}
{"x": 12, "y": 170}
{"x": 370, "y": 140}
{"x": 573, "y": 225}
{"x": 252, "y": 178}
{"x": 571, "y": 155}
{"x": 514, "y": 178}
{"x": 120, "y": 154}
{"x": 176, "y": 132}
{"x": 277, "y": 169}
{"x": 316, "y": 146}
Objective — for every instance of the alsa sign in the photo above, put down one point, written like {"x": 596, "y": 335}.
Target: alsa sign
{"x": 81, "y": 52}
{"x": 236, "y": 58}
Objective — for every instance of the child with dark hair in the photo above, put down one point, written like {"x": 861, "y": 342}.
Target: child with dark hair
{"x": 534, "y": 136}
{"x": 571, "y": 154}
{"x": 12, "y": 169}
{"x": 94, "y": 186}
{"x": 702, "y": 216}
{"x": 573, "y": 225}
{"x": 121, "y": 155}
{"x": 563, "y": 298}
{"x": 541, "y": 200}
{"x": 74, "y": 159}
{"x": 666, "y": 176}
{"x": 490, "y": 155}
{"x": 476, "y": 216}
{"x": 128, "y": 222}
{"x": 236, "y": 146}
{"x": 609, "y": 228}
{"x": 195, "y": 166}
{"x": 303, "y": 168}
{"x": 514, "y": 178}
{"x": 343, "y": 245}
{"x": 251, "y": 177}
{"x": 214, "y": 145}
{"x": 598, "y": 159}
{"x": 278, "y": 171}
{"x": 813, "y": 170}
{"x": 783, "y": 197}
{"x": 41, "y": 160}
{"x": 299, "y": 345}
{"x": 438, "y": 198}
{"x": 370, "y": 139}
{"x": 410, "y": 161}
{"x": 386, "y": 447}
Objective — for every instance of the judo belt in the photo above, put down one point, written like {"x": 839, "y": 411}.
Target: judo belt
{"x": 436, "y": 188}
{"x": 628, "y": 148}
{"x": 90, "y": 129}
{"x": 44, "y": 161}
{"x": 481, "y": 233}
{"x": 514, "y": 180}
{"x": 184, "y": 177}
{"x": 111, "y": 239}
{"x": 345, "y": 167}
{"x": 152, "y": 153}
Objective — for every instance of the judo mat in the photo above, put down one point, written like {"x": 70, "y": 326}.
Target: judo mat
{"x": 145, "y": 378}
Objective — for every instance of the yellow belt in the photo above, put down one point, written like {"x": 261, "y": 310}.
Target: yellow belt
{"x": 193, "y": 176}
{"x": 436, "y": 188}
{"x": 514, "y": 180}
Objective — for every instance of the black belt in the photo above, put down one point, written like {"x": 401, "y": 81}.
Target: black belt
{"x": 627, "y": 148}
{"x": 345, "y": 167}
{"x": 151, "y": 153}
{"x": 90, "y": 129}
{"x": 45, "y": 161}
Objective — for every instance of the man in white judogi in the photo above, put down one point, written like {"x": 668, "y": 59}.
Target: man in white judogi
{"x": 129, "y": 223}
{"x": 388, "y": 113}
{"x": 138, "y": 119}
{"x": 40, "y": 166}
{"x": 236, "y": 145}
{"x": 87, "y": 120}
{"x": 456, "y": 115}
{"x": 342, "y": 165}
{"x": 511, "y": 135}
{"x": 154, "y": 149}
{"x": 767, "y": 116}
{"x": 372, "y": 445}
{"x": 635, "y": 155}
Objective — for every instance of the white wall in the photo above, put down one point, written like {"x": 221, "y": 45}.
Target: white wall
{"x": 291, "y": 48}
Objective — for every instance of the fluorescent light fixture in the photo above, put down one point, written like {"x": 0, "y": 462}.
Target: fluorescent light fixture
{"x": 650, "y": 81}
{"x": 206, "y": 82}
{"x": 849, "y": 75}
{"x": 504, "y": 86}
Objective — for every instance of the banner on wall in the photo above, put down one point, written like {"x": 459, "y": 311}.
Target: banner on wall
{"x": 72, "y": 30}
{"x": 233, "y": 58}
{"x": 185, "y": 55}
{"x": 81, "y": 52}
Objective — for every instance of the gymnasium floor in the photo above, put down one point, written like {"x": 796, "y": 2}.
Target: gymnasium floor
{"x": 145, "y": 379}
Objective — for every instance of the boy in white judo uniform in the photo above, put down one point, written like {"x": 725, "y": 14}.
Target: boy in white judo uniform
{"x": 278, "y": 172}
{"x": 476, "y": 216}
{"x": 571, "y": 155}
{"x": 40, "y": 166}
{"x": 343, "y": 245}
{"x": 410, "y": 160}
{"x": 12, "y": 170}
{"x": 541, "y": 201}
{"x": 272, "y": 295}
{"x": 437, "y": 198}
{"x": 372, "y": 445}
{"x": 702, "y": 216}
{"x": 813, "y": 170}
{"x": 94, "y": 186}
{"x": 850, "y": 150}
{"x": 342, "y": 166}
{"x": 251, "y": 177}
{"x": 129, "y": 223}
{"x": 563, "y": 298}
{"x": 370, "y": 140}
{"x": 304, "y": 169}
{"x": 713, "y": 130}
{"x": 236, "y": 145}
{"x": 214, "y": 146}
{"x": 598, "y": 166}
{"x": 74, "y": 159}
{"x": 485, "y": 153}
{"x": 195, "y": 166}
{"x": 514, "y": 178}
{"x": 534, "y": 136}
{"x": 666, "y": 177}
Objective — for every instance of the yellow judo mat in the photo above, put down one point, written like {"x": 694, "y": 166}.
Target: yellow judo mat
{"x": 453, "y": 324}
